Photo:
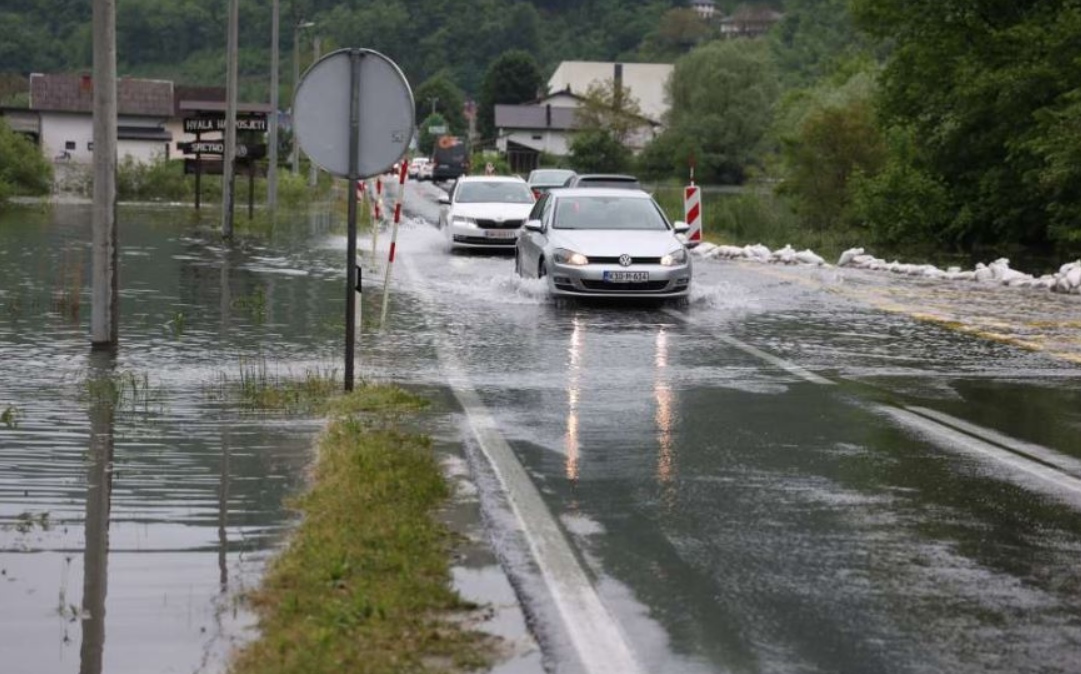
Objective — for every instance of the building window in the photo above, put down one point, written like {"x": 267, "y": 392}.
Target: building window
{"x": 69, "y": 145}
{"x": 90, "y": 146}
{"x": 537, "y": 136}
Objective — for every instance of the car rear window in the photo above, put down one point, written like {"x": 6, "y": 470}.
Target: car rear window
{"x": 629, "y": 183}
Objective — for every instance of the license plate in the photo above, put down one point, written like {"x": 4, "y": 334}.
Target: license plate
{"x": 501, "y": 233}
{"x": 626, "y": 276}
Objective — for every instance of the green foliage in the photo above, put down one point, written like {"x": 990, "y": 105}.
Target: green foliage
{"x": 722, "y": 96}
{"x": 448, "y": 99}
{"x": 987, "y": 89}
{"x": 512, "y": 78}
{"x": 606, "y": 108}
{"x": 835, "y": 137}
{"x": 160, "y": 180}
{"x": 23, "y": 168}
{"x": 599, "y": 151}
{"x": 426, "y": 140}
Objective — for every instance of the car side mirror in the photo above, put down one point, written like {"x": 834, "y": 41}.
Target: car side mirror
{"x": 444, "y": 199}
{"x": 681, "y": 227}
{"x": 534, "y": 225}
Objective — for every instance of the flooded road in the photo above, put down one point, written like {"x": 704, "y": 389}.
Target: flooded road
{"x": 138, "y": 497}
{"x": 799, "y": 472}
{"x": 878, "y": 493}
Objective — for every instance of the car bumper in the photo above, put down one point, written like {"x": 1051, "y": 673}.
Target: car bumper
{"x": 590, "y": 281}
{"x": 479, "y": 237}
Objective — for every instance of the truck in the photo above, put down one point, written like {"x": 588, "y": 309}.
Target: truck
{"x": 450, "y": 158}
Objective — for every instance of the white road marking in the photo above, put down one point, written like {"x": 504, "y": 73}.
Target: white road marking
{"x": 792, "y": 368}
{"x": 951, "y": 439}
{"x": 1035, "y": 452}
{"x": 594, "y": 632}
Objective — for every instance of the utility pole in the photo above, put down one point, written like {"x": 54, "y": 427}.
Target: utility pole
{"x": 299, "y": 26}
{"x": 434, "y": 100}
{"x": 272, "y": 166}
{"x": 105, "y": 292}
{"x": 313, "y": 173}
{"x": 228, "y": 178}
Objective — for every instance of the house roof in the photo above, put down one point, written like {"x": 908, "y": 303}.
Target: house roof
{"x": 75, "y": 93}
{"x": 535, "y": 117}
{"x": 644, "y": 81}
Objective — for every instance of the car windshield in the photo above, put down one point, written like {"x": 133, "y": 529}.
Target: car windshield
{"x": 550, "y": 177}
{"x": 494, "y": 192}
{"x": 608, "y": 212}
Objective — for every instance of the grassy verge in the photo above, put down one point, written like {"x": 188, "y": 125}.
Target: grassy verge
{"x": 755, "y": 216}
{"x": 364, "y": 583}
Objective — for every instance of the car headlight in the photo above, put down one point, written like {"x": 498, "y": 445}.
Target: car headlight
{"x": 463, "y": 222}
{"x": 564, "y": 256}
{"x": 675, "y": 258}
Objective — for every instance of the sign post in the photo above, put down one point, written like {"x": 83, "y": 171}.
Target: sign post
{"x": 354, "y": 117}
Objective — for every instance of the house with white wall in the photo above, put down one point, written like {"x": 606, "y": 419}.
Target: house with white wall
{"x": 65, "y": 104}
{"x": 644, "y": 82}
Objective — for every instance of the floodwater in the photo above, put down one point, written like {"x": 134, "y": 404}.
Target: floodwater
{"x": 138, "y": 496}
{"x": 737, "y": 517}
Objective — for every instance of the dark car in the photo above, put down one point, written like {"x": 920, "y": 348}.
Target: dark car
{"x": 450, "y": 158}
{"x": 615, "y": 180}
{"x": 543, "y": 179}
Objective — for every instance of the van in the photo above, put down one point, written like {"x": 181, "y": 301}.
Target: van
{"x": 450, "y": 158}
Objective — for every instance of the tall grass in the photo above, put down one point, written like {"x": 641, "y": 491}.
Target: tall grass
{"x": 256, "y": 387}
{"x": 753, "y": 215}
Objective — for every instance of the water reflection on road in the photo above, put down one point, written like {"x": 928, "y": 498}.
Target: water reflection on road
{"x": 136, "y": 501}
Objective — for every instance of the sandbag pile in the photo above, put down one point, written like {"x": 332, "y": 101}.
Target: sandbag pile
{"x": 759, "y": 253}
{"x": 1067, "y": 280}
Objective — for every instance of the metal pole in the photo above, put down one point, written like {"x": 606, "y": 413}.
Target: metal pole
{"x": 351, "y": 248}
{"x": 313, "y": 177}
{"x": 105, "y": 296}
{"x": 272, "y": 167}
{"x": 228, "y": 178}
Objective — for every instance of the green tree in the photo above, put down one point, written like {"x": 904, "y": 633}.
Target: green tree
{"x": 511, "y": 79}
{"x": 985, "y": 86}
{"x": 604, "y": 107}
{"x": 598, "y": 151}
{"x": 23, "y": 169}
{"x": 438, "y": 94}
{"x": 722, "y": 97}
{"x": 679, "y": 30}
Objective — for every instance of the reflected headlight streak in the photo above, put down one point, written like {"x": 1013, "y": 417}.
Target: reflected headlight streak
{"x": 463, "y": 222}
{"x": 675, "y": 258}
{"x": 564, "y": 256}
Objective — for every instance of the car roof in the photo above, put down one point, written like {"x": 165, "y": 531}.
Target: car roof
{"x": 599, "y": 192}
{"x": 491, "y": 179}
{"x": 606, "y": 176}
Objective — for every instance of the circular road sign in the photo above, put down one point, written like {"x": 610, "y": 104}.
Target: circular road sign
{"x": 322, "y": 108}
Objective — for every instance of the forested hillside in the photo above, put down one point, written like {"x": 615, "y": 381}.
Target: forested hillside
{"x": 184, "y": 40}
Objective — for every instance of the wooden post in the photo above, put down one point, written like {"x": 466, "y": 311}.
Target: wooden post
{"x": 229, "y": 156}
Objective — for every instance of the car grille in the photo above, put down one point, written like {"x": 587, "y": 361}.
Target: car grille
{"x": 605, "y": 286}
{"x": 483, "y": 241}
{"x": 492, "y": 224}
{"x": 615, "y": 260}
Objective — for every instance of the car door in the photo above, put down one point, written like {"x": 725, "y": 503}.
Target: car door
{"x": 530, "y": 243}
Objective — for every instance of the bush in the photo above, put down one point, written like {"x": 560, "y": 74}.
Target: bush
{"x": 23, "y": 169}
{"x": 598, "y": 151}
{"x": 160, "y": 180}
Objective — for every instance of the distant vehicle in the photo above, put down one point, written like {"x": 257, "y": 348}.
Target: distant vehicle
{"x": 591, "y": 242}
{"x": 603, "y": 180}
{"x": 484, "y": 211}
{"x": 425, "y": 171}
{"x": 542, "y": 180}
{"x": 415, "y": 165}
{"x": 450, "y": 158}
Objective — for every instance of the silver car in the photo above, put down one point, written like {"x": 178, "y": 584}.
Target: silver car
{"x": 598, "y": 242}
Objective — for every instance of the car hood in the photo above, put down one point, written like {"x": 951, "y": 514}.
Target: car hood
{"x": 613, "y": 243}
{"x": 492, "y": 211}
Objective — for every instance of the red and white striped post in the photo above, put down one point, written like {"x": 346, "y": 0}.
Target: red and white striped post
{"x": 403, "y": 171}
{"x": 377, "y": 213}
{"x": 692, "y": 210}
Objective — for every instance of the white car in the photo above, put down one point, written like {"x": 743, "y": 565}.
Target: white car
{"x": 415, "y": 165}
{"x": 485, "y": 211}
